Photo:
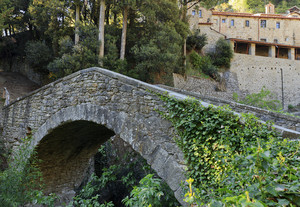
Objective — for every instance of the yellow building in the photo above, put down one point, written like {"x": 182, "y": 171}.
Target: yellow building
{"x": 274, "y": 35}
{"x": 266, "y": 46}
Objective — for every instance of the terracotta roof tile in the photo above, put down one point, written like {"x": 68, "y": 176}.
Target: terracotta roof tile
{"x": 277, "y": 16}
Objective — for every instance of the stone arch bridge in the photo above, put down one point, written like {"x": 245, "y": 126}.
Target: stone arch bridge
{"x": 70, "y": 119}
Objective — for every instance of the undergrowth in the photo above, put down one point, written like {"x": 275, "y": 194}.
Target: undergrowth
{"x": 21, "y": 183}
{"x": 149, "y": 190}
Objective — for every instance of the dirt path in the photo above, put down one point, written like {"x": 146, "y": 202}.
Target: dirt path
{"x": 17, "y": 86}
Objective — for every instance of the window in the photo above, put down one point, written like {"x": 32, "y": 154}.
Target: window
{"x": 223, "y": 20}
{"x": 232, "y": 22}
{"x": 263, "y": 40}
{"x": 250, "y": 39}
{"x": 247, "y": 23}
{"x": 278, "y": 25}
{"x": 263, "y": 23}
{"x": 193, "y": 12}
{"x": 200, "y": 13}
{"x": 286, "y": 39}
{"x": 275, "y": 40}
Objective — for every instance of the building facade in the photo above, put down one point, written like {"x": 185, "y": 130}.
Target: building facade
{"x": 267, "y": 27}
{"x": 266, "y": 46}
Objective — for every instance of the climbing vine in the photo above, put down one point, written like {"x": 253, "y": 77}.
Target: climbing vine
{"x": 233, "y": 159}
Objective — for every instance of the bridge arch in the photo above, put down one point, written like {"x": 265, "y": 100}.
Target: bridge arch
{"x": 84, "y": 128}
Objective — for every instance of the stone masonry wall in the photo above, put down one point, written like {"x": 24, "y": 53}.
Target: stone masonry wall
{"x": 286, "y": 34}
{"x": 212, "y": 37}
{"x": 204, "y": 90}
{"x": 120, "y": 104}
{"x": 221, "y": 22}
{"x": 255, "y": 72}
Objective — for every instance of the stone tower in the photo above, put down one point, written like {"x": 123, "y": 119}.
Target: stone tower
{"x": 270, "y": 8}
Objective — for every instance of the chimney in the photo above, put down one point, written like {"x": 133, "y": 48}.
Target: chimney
{"x": 270, "y": 8}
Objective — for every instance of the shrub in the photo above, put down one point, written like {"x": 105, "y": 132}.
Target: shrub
{"x": 196, "y": 41}
{"x": 223, "y": 53}
{"x": 150, "y": 192}
{"x": 76, "y": 57}
{"x": 263, "y": 99}
{"x": 21, "y": 182}
{"x": 204, "y": 64}
{"x": 38, "y": 55}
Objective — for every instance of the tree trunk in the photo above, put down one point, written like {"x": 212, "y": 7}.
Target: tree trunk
{"x": 9, "y": 29}
{"x": 124, "y": 31}
{"x": 76, "y": 24}
{"x": 101, "y": 29}
{"x": 184, "y": 53}
{"x": 184, "y": 19}
{"x": 107, "y": 13}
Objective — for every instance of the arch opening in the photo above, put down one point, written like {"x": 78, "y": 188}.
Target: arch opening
{"x": 66, "y": 154}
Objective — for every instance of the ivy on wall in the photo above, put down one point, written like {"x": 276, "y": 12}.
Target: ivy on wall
{"x": 233, "y": 159}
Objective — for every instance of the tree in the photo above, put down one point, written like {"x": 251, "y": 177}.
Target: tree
{"x": 129, "y": 4}
{"x": 101, "y": 29}
{"x": 196, "y": 41}
{"x": 52, "y": 20}
{"x": 239, "y": 5}
{"x": 157, "y": 51}
{"x": 77, "y": 57}
{"x": 124, "y": 31}
{"x": 223, "y": 54}
{"x": 256, "y": 6}
{"x": 185, "y": 5}
{"x": 77, "y": 19}
{"x": 6, "y": 11}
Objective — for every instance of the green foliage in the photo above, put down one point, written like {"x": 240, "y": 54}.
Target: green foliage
{"x": 211, "y": 63}
{"x": 150, "y": 192}
{"x": 256, "y": 6}
{"x": 291, "y": 107}
{"x": 157, "y": 58}
{"x": 269, "y": 171}
{"x": 124, "y": 174}
{"x": 239, "y": 5}
{"x": 223, "y": 53}
{"x": 233, "y": 162}
{"x": 77, "y": 57}
{"x": 111, "y": 59}
{"x": 204, "y": 64}
{"x": 87, "y": 196}
{"x": 209, "y": 133}
{"x": 38, "y": 55}
{"x": 196, "y": 41}
{"x": 51, "y": 19}
{"x": 263, "y": 99}
{"x": 5, "y": 13}
{"x": 263, "y": 175}
{"x": 21, "y": 182}
{"x": 154, "y": 39}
